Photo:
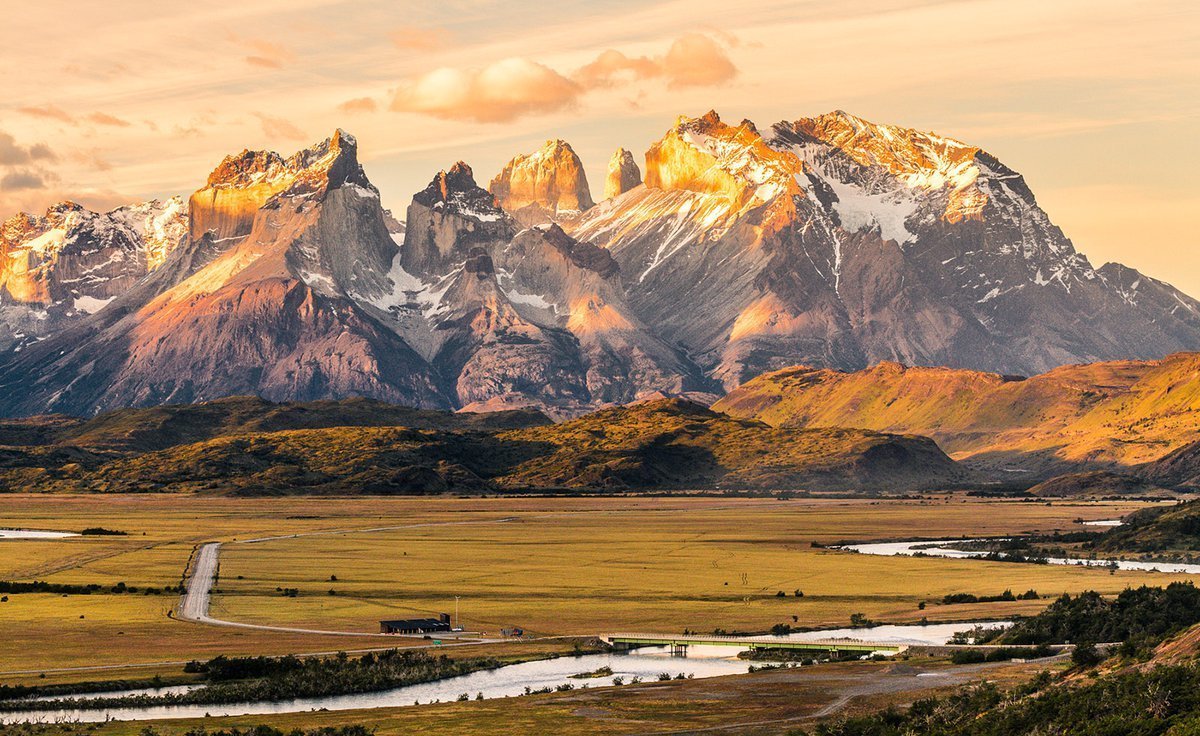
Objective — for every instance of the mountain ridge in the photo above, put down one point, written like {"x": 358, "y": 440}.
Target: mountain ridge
{"x": 828, "y": 241}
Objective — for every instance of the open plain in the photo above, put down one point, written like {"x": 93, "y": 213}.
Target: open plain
{"x": 550, "y": 566}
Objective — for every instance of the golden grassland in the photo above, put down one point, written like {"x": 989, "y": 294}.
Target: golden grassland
{"x": 554, "y": 566}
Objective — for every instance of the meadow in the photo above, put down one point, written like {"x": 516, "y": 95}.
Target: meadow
{"x": 553, "y": 566}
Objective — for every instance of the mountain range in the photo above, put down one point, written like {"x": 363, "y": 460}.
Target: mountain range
{"x": 829, "y": 242}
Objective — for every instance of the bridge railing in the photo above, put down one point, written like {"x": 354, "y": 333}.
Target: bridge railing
{"x": 699, "y": 638}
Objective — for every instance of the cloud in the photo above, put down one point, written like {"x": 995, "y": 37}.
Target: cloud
{"x": 265, "y": 54}
{"x": 496, "y": 93}
{"x": 419, "y": 38}
{"x": 92, "y": 159}
{"x": 102, "y": 118}
{"x": 359, "y": 104}
{"x": 612, "y": 67}
{"x": 53, "y": 112}
{"x": 695, "y": 60}
{"x": 22, "y": 179}
{"x": 516, "y": 87}
{"x": 12, "y": 153}
{"x": 276, "y": 128}
{"x": 49, "y": 112}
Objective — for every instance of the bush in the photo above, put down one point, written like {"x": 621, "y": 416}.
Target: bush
{"x": 1085, "y": 655}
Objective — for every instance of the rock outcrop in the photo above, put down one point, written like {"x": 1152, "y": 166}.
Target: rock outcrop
{"x": 623, "y": 174}
{"x": 830, "y": 241}
{"x": 836, "y": 242}
{"x": 60, "y": 267}
{"x": 265, "y": 313}
{"x": 544, "y": 186}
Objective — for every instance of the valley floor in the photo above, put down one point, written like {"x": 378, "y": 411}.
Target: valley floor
{"x": 551, "y": 566}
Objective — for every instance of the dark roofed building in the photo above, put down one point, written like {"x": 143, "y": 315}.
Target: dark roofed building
{"x": 416, "y": 625}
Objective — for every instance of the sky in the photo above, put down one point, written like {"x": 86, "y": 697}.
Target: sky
{"x": 1096, "y": 102}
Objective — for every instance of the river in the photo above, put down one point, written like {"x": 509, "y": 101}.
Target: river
{"x": 510, "y": 681}
{"x": 33, "y": 534}
{"x": 938, "y": 548}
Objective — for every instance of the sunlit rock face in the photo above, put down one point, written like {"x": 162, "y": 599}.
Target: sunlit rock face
{"x": 555, "y": 279}
{"x": 235, "y": 190}
{"x": 623, "y": 174}
{"x": 274, "y": 311}
{"x": 833, "y": 241}
{"x": 60, "y": 267}
{"x": 547, "y": 185}
{"x": 828, "y": 241}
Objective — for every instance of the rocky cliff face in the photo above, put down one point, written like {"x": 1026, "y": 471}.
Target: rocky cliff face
{"x": 265, "y": 311}
{"x": 60, "y": 267}
{"x": 544, "y": 186}
{"x": 623, "y": 174}
{"x": 827, "y": 241}
{"x": 512, "y": 319}
{"x": 836, "y": 242}
{"x": 448, "y": 218}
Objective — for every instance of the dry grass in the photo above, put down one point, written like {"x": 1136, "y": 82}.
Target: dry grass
{"x": 561, "y": 566}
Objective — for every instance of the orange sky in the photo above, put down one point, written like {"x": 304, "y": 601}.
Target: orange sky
{"x": 1096, "y": 102}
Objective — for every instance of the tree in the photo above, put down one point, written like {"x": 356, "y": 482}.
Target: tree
{"x": 1085, "y": 655}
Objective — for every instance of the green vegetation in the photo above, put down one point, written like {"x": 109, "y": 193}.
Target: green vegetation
{"x": 1174, "y": 529}
{"x": 959, "y": 598}
{"x": 254, "y": 679}
{"x": 247, "y": 446}
{"x": 604, "y": 671}
{"x": 1162, "y": 700}
{"x": 1143, "y": 614}
{"x": 39, "y": 586}
{"x": 999, "y": 654}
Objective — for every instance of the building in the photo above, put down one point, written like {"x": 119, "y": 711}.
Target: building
{"x": 416, "y": 625}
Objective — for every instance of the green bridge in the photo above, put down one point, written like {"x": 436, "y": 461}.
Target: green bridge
{"x": 679, "y": 644}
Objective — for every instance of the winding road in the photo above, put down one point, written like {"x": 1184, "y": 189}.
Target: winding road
{"x": 195, "y": 603}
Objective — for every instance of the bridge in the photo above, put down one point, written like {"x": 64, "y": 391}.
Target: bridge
{"x": 680, "y": 643}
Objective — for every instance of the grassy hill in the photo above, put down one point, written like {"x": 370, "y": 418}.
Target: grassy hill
{"x": 1094, "y": 416}
{"x": 248, "y": 446}
{"x": 1174, "y": 530}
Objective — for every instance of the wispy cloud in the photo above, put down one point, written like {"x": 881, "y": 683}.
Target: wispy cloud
{"x": 22, "y": 179}
{"x": 359, "y": 105}
{"x": 420, "y": 38}
{"x": 263, "y": 53}
{"x": 277, "y": 128}
{"x": 49, "y": 112}
{"x": 12, "y": 153}
{"x": 102, "y": 118}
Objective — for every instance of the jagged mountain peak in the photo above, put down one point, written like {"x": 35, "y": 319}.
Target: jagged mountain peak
{"x": 454, "y": 191}
{"x": 336, "y": 158}
{"x": 545, "y": 185}
{"x": 623, "y": 174}
{"x": 902, "y": 151}
{"x": 706, "y": 155}
{"x": 244, "y": 182}
{"x": 327, "y": 165}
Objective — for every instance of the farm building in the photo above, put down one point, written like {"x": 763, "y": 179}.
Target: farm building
{"x": 416, "y": 625}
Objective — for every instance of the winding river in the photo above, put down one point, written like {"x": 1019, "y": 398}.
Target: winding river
{"x": 510, "y": 681}
{"x": 940, "y": 548}
{"x": 33, "y": 534}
